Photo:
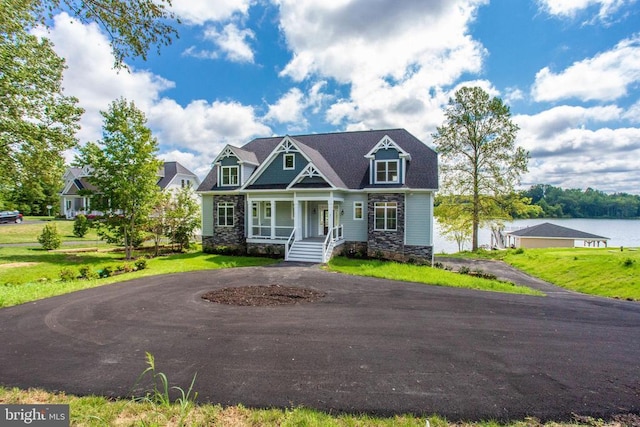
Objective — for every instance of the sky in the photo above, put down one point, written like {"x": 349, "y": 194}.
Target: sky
{"x": 568, "y": 69}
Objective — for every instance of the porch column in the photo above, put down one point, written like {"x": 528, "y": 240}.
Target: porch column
{"x": 297, "y": 218}
{"x": 330, "y": 225}
{"x": 273, "y": 218}
{"x": 250, "y": 219}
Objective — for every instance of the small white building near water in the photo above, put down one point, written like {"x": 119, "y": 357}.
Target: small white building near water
{"x": 547, "y": 235}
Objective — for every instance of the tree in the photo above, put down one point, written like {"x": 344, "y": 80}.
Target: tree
{"x": 133, "y": 26}
{"x": 50, "y": 238}
{"x": 184, "y": 217}
{"x": 478, "y": 155}
{"x": 37, "y": 121}
{"x": 124, "y": 169}
{"x": 454, "y": 219}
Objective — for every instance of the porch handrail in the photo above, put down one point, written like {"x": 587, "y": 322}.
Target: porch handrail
{"x": 289, "y": 244}
{"x": 334, "y": 235}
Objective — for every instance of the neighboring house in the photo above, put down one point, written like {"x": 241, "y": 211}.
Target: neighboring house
{"x": 307, "y": 197}
{"x": 549, "y": 235}
{"x": 74, "y": 198}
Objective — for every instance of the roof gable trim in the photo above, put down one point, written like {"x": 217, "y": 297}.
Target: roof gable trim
{"x": 309, "y": 171}
{"x": 387, "y": 143}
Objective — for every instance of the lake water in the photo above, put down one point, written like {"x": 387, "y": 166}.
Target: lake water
{"x": 622, "y": 232}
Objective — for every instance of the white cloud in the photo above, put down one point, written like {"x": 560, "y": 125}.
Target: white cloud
{"x": 633, "y": 113}
{"x": 573, "y": 147}
{"x": 513, "y": 94}
{"x": 196, "y": 132}
{"x": 289, "y": 108}
{"x": 570, "y": 8}
{"x": 232, "y": 41}
{"x": 606, "y": 76}
{"x": 198, "y": 12}
{"x": 395, "y": 55}
{"x": 90, "y": 75}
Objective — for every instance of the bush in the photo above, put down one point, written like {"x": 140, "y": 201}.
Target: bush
{"x": 87, "y": 273}
{"x": 141, "y": 264}
{"x": 628, "y": 262}
{"x": 518, "y": 251}
{"x": 464, "y": 270}
{"x": 67, "y": 275}
{"x": 50, "y": 239}
{"x": 80, "y": 226}
{"x": 105, "y": 272}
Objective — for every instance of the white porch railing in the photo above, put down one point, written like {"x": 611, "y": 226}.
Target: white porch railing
{"x": 289, "y": 244}
{"x": 335, "y": 234}
{"x": 264, "y": 232}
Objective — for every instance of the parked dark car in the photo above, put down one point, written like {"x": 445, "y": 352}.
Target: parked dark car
{"x": 10, "y": 216}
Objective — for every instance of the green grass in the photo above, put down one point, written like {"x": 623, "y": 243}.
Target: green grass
{"x": 29, "y": 232}
{"x": 422, "y": 274}
{"x": 604, "y": 272}
{"x": 20, "y": 283}
{"x": 100, "y": 411}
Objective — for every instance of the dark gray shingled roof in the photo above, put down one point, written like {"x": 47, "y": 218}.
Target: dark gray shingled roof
{"x": 548, "y": 230}
{"x": 171, "y": 169}
{"x": 344, "y": 153}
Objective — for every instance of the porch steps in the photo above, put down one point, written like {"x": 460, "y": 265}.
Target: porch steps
{"x": 306, "y": 251}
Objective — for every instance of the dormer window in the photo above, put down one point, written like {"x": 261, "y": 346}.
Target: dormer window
{"x": 289, "y": 161}
{"x": 387, "y": 172}
{"x": 229, "y": 175}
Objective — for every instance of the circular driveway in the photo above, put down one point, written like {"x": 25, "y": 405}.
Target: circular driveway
{"x": 370, "y": 345}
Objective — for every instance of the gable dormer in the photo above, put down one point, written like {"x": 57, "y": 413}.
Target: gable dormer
{"x": 387, "y": 163}
{"x": 234, "y": 166}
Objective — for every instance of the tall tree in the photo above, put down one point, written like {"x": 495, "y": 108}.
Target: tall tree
{"x": 125, "y": 172}
{"x": 184, "y": 217}
{"x": 37, "y": 121}
{"x": 476, "y": 145}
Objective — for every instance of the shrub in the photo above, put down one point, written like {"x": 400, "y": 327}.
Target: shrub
{"x": 105, "y": 272}
{"x": 141, "y": 264}
{"x": 87, "y": 273}
{"x": 80, "y": 226}
{"x": 628, "y": 262}
{"x": 518, "y": 251}
{"x": 464, "y": 270}
{"x": 50, "y": 239}
{"x": 67, "y": 275}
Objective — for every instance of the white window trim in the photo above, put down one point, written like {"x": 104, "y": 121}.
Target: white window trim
{"x": 255, "y": 210}
{"x": 229, "y": 168}
{"x": 361, "y": 206}
{"x": 386, "y": 206}
{"x": 284, "y": 161}
{"x": 270, "y": 210}
{"x": 386, "y": 162}
{"x": 225, "y": 206}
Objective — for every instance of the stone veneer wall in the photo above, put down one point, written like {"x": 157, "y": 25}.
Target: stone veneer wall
{"x": 230, "y": 239}
{"x": 390, "y": 244}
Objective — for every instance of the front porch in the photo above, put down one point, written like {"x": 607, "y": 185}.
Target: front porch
{"x": 306, "y": 228}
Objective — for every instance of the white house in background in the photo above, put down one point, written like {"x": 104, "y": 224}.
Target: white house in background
{"x": 74, "y": 200}
{"x": 547, "y": 235}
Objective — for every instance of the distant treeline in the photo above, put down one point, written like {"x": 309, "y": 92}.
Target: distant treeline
{"x": 556, "y": 202}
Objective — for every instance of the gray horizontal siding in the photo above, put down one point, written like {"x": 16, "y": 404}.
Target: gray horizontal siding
{"x": 418, "y": 216}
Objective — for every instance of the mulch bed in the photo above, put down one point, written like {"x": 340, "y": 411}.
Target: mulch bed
{"x": 261, "y": 296}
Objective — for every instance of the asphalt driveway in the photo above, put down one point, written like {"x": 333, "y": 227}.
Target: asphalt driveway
{"x": 370, "y": 345}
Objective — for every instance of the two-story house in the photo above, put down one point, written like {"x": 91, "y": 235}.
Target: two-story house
{"x": 75, "y": 198}
{"x": 308, "y": 196}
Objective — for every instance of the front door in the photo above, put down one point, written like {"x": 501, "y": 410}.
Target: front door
{"x": 325, "y": 221}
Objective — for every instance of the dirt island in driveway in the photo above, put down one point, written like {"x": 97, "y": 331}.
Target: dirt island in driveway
{"x": 261, "y": 296}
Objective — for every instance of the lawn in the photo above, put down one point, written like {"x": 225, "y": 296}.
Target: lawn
{"x": 28, "y": 232}
{"x": 604, "y": 272}
{"x": 28, "y": 274}
{"x": 422, "y": 274}
{"x": 100, "y": 411}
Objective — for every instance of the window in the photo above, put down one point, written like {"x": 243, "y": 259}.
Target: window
{"x": 229, "y": 175}
{"x": 267, "y": 210}
{"x": 386, "y": 214}
{"x": 225, "y": 214}
{"x": 254, "y": 209}
{"x": 358, "y": 209}
{"x": 289, "y": 161}
{"x": 386, "y": 171}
